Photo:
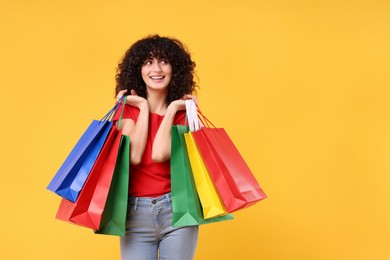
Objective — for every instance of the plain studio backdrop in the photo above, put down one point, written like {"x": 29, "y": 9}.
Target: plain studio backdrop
{"x": 302, "y": 88}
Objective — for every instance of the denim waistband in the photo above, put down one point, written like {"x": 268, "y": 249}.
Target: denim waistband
{"x": 150, "y": 202}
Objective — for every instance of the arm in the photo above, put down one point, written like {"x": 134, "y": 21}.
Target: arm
{"x": 138, "y": 131}
{"x": 161, "y": 149}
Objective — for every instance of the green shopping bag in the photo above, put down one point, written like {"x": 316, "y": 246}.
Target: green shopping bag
{"x": 115, "y": 211}
{"x": 186, "y": 206}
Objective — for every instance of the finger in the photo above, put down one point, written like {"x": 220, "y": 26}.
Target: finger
{"x": 192, "y": 97}
{"x": 120, "y": 94}
{"x": 133, "y": 92}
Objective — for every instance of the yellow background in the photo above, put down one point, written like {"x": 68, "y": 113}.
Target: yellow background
{"x": 302, "y": 87}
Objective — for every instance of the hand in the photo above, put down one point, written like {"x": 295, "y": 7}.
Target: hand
{"x": 188, "y": 96}
{"x": 120, "y": 94}
{"x": 133, "y": 99}
{"x": 180, "y": 104}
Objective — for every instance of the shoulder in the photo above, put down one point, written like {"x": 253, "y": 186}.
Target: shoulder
{"x": 129, "y": 112}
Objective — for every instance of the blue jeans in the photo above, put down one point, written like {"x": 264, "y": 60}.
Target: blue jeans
{"x": 150, "y": 235}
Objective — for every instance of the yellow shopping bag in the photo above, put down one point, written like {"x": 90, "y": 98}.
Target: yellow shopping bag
{"x": 208, "y": 195}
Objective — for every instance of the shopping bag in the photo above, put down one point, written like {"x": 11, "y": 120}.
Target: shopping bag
{"x": 88, "y": 208}
{"x": 234, "y": 181}
{"x": 70, "y": 178}
{"x": 186, "y": 207}
{"x": 208, "y": 195}
{"x": 236, "y": 184}
{"x": 115, "y": 211}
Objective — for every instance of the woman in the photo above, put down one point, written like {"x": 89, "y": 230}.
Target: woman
{"x": 157, "y": 75}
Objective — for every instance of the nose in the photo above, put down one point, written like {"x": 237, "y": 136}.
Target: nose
{"x": 156, "y": 66}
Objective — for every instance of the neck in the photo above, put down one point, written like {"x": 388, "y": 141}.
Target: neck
{"x": 157, "y": 102}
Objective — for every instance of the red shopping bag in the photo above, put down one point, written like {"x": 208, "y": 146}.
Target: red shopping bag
{"x": 231, "y": 175}
{"x": 88, "y": 209}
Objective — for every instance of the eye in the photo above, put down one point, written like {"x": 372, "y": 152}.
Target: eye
{"x": 147, "y": 62}
{"x": 164, "y": 61}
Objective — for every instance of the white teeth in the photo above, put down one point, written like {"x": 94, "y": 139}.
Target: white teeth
{"x": 157, "y": 77}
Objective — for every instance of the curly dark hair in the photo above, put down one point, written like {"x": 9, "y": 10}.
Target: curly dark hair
{"x": 129, "y": 69}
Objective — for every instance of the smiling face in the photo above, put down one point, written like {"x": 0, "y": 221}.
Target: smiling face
{"x": 156, "y": 73}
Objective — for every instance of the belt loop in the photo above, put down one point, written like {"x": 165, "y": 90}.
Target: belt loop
{"x": 168, "y": 197}
{"x": 135, "y": 204}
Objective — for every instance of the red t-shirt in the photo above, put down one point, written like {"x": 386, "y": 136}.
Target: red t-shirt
{"x": 149, "y": 179}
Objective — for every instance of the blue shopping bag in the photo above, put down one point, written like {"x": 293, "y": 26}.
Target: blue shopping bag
{"x": 70, "y": 178}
